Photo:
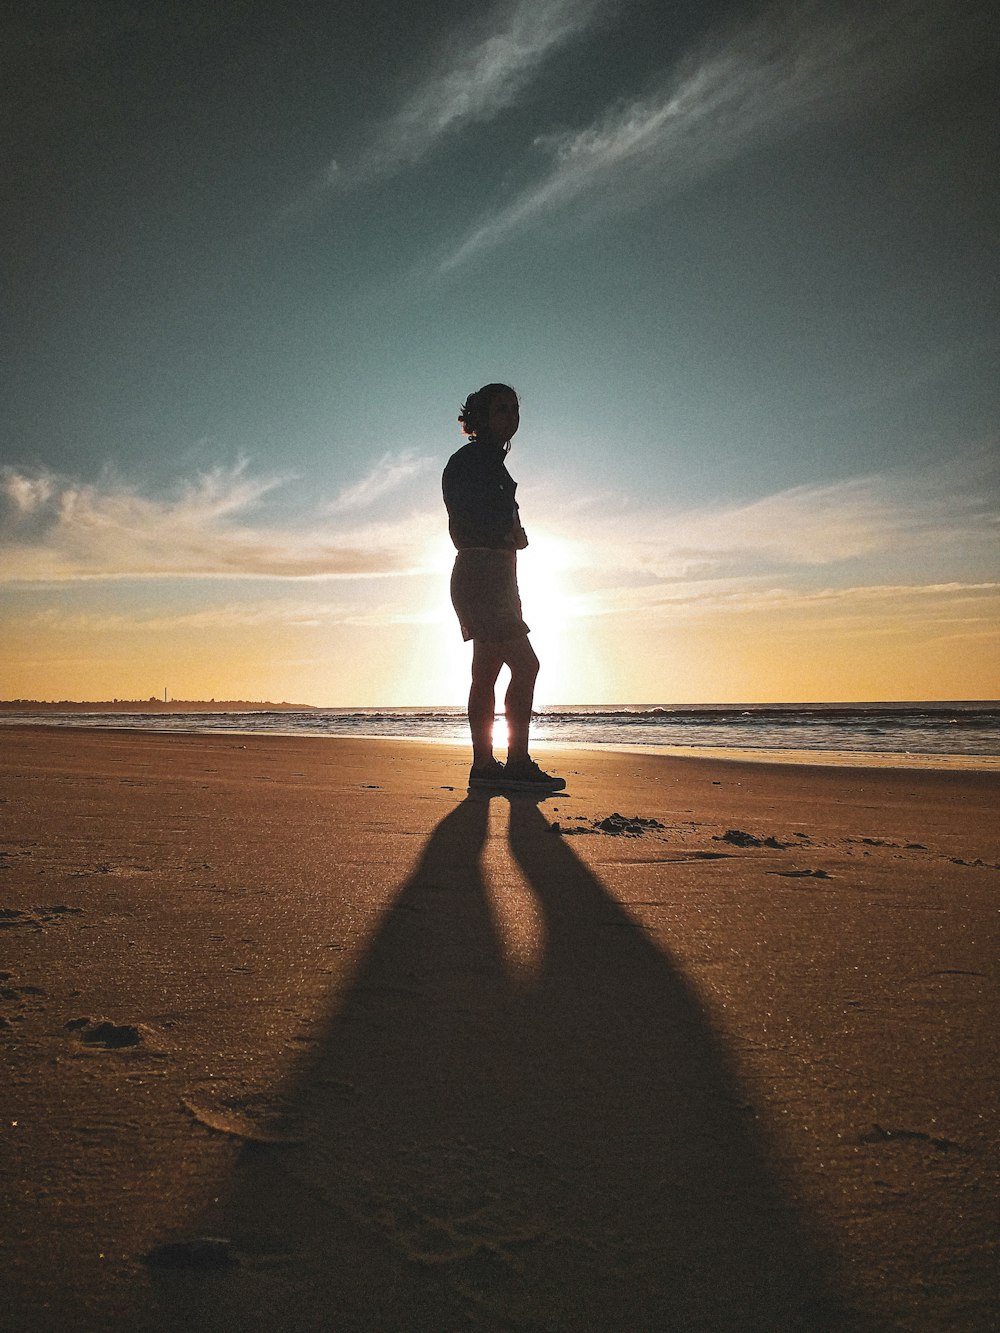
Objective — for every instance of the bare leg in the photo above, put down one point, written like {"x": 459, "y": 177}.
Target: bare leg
{"x": 487, "y": 659}
{"x": 520, "y": 657}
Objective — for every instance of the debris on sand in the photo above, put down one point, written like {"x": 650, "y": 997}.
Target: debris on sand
{"x": 618, "y": 826}
{"x": 738, "y": 838}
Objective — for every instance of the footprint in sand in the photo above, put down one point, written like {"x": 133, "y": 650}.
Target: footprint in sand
{"x": 110, "y": 1036}
{"x": 242, "y": 1114}
{"x": 35, "y": 917}
{"x": 11, "y": 917}
{"x": 19, "y": 996}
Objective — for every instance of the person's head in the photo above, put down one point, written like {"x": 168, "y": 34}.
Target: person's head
{"x": 491, "y": 415}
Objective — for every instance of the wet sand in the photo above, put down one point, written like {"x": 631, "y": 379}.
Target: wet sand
{"x": 297, "y": 1035}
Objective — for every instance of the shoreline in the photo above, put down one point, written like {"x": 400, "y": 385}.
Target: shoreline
{"x": 481, "y": 1061}
{"x": 724, "y": 754}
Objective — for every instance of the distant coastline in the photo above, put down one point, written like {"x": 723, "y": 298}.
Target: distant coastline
{"x": 153, "y": 705}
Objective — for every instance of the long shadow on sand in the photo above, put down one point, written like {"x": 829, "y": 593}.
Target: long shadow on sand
{"x": 483, "y": 1151}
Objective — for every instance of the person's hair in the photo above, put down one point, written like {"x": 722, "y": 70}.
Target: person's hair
{"x": 474, "y": 416}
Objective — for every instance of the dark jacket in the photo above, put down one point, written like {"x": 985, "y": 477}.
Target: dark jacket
{"x": 479, "y": 495}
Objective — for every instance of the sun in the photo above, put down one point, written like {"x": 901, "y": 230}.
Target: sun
{"x": 541, "y": 576}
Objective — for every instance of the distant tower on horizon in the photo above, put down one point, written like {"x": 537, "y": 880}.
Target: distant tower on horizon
{"x": 164, "y": 694}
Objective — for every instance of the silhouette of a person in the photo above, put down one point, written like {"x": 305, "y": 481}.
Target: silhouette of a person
{"x": 485, "y": 526}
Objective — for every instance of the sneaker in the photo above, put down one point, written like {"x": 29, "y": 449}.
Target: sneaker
{"x": 525, "y": 775}
{"x": 486, "y": 775}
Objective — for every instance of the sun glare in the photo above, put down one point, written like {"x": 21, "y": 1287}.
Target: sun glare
{"x": 541, "y": 578}
{"x": 541, "y": 574}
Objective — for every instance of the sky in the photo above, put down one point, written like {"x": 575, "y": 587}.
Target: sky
{"x": 739, "y": 262}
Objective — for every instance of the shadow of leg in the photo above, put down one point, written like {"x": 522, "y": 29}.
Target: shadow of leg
{"x": 358, "y": 1224}
{"x": 474, "y": 1153}
{"x": 635, "y": 1098}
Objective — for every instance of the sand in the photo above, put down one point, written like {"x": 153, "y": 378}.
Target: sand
{"x": 296, "y": 1035}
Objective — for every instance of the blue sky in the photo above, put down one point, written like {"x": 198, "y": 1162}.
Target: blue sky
{"x": 739, "y": 262}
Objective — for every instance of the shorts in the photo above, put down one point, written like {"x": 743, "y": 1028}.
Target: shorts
{"x": 484, "y": 595}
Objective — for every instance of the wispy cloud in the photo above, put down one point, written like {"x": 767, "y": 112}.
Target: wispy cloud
{"x": 956, "y": 605}
{"x": 802, "y": 544}
{"x": 474, "y": 79}
{"x": 282, "y": 613}
{"x": 388, "y": 474}
{"x": 790, "y": 66}
{"x": 810, "y": 526}
{"x": 54, "y": 529}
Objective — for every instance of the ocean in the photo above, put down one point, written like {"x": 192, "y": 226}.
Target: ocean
{"x": 965, "y": 734}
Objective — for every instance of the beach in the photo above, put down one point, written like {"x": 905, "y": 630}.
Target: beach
{"x": 298, "y": 1034}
